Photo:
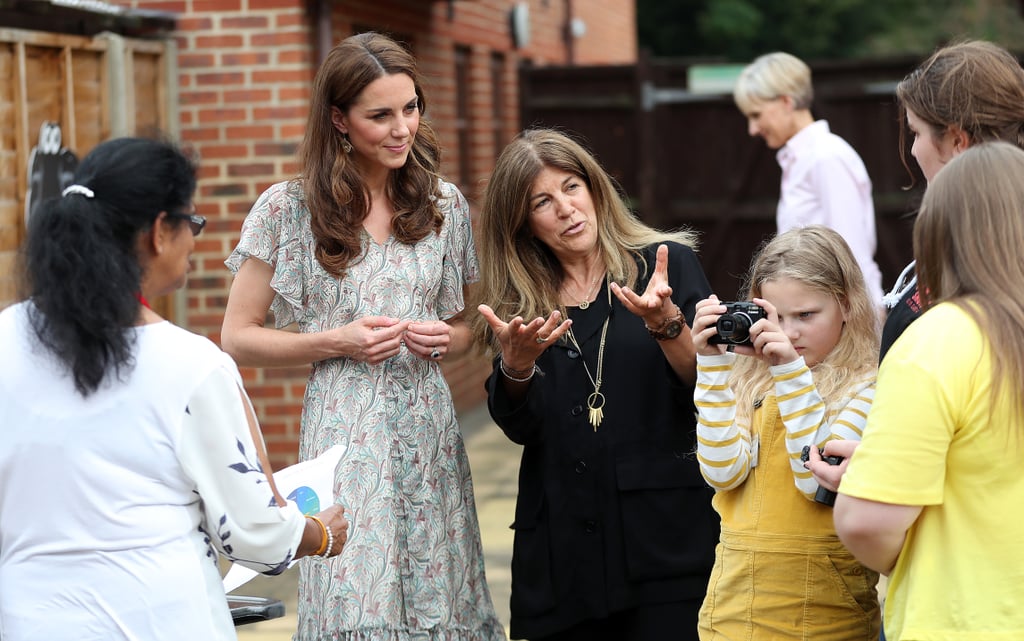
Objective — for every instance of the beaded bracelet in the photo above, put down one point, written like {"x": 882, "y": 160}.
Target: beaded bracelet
{"x": 330, "y": 544}
{"x": 326, "y": 536}
{"x": 517, "y": 375}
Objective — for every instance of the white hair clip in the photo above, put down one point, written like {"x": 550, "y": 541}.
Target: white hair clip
{"x": 78, "y": 189}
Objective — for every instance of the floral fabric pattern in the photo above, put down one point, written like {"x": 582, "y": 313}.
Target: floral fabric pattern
{"x": 413, "y": 565}
{"x": 240, "y": 517}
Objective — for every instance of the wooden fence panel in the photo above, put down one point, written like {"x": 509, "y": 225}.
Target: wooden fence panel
{"x": 686, "y": 159}
{"x": 149, "y": 92}
{"x": 598, "y": 106}
{"x": 87, "y": 124}
{"x": 10, "y": 227}
{"x": 94, "y": 88}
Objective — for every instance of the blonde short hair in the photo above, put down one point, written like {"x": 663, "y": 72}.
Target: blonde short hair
{"x": 772, "y": 76}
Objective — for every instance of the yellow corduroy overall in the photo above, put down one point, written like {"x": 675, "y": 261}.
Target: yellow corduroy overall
{"x": 780, "y": 570}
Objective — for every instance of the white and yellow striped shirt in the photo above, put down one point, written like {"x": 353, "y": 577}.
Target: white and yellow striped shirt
{"x": 724, "y": 446}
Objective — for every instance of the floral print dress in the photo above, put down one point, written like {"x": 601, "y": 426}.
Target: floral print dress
{"x": 413, "y": 565}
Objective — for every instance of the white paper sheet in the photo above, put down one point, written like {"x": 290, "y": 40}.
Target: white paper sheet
{"x": 310, "y": 485}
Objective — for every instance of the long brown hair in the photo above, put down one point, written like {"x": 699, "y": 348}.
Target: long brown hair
{"x": 820, "y": 259}
{"x": 519, "y": 275}
{"x": 967, "y": 242}
{"x": 332, "y": 185}
{"x": 974, "y": 85}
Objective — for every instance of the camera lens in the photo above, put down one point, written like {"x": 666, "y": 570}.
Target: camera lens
{"x": 734, "y": 328}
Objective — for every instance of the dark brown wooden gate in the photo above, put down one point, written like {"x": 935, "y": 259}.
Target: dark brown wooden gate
{"x": 684, "y": 158}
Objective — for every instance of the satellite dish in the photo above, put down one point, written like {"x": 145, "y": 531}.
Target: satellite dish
{"x": 577, "y": 27}
{"x": 520, "y": 18}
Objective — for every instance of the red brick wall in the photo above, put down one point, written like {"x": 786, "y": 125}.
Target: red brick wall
{"x": 606, "y": 39}
{"x": 245, "y": 72}
{"x": 244, "y": 79}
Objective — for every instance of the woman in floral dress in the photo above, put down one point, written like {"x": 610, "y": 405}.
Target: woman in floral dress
{"x": 368, "y": 253}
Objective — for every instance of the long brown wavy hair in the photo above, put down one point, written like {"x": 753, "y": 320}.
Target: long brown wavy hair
{"x": 967, "y": 242}
{"x": 974, "y": 85}
{"x": 820, "y": 259}
{"x": 519, "y": 275}
{"x": 331, "y": 182}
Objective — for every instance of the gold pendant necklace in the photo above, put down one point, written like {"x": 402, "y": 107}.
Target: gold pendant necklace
{"x": 585, "y": 302}
{"x": 595, "y": 402}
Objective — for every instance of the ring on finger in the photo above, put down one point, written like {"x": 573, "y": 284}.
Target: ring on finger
{"x": 435, "y": 354}
{"x": 541, "y": 340}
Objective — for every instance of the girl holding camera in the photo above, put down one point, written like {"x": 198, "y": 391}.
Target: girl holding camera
{"x": 804, "y": 375}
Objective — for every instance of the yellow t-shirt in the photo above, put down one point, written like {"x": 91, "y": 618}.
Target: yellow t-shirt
{"x": 934, "y": 439}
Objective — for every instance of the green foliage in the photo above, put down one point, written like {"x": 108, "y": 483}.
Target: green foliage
{"x": 739, "y": 30}
{"x": 735, "y": 21}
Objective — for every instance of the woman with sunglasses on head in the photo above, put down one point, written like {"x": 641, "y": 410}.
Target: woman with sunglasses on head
{"x": 129, "y": 455}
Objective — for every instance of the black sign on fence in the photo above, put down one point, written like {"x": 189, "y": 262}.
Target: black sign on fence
{"x": 51, "y": 168}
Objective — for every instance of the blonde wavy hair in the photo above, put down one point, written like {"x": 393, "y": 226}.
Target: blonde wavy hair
{"x": 519, "y": 275}
{"x": 820, "y": 259}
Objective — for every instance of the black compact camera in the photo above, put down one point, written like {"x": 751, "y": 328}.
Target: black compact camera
{"x": 734, "y": 325}
{"x": 823, "y": 495}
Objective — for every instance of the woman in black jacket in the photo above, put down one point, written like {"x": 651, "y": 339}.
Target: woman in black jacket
{"x": 614, "y": 531}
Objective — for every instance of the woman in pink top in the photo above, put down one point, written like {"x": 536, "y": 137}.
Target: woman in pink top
{"x": 824, "y": 181}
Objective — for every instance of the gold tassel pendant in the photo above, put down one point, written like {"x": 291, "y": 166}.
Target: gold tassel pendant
{"x": 595, "y": 403}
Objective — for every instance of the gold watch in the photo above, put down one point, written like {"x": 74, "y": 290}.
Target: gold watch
{"x": 669, "y": 328}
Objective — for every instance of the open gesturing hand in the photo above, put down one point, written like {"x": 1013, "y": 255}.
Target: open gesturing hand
{"x": 521, "y": 342}
{"x": 655, "y": 304}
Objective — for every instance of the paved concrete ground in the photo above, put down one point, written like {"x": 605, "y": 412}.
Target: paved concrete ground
{"x": 495, "y": 464}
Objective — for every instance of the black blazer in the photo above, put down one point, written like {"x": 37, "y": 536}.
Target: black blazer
{"x": 619, "y": 517}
